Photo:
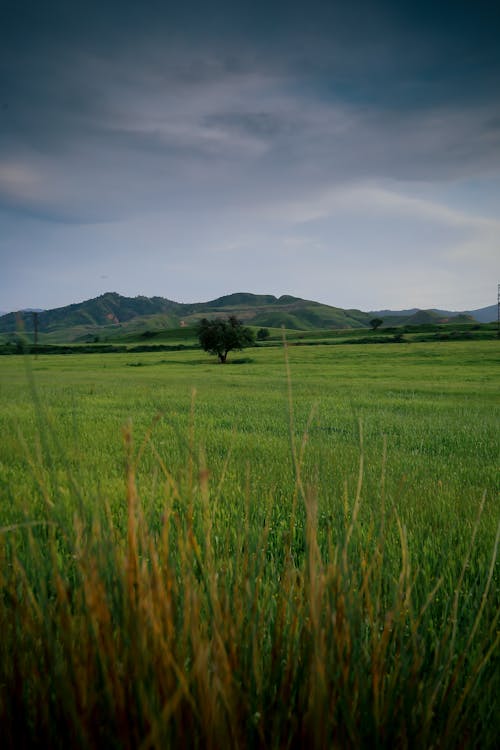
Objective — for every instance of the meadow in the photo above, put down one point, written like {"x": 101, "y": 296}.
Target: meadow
{"x": 298, "y": 548}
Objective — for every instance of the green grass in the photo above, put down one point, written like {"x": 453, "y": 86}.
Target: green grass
{"x": 251, "y": 568}
{"x": 140, "y": 336}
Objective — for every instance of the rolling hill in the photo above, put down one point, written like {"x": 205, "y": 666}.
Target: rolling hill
{"x": 481, "y": 315}
{"x": 112, "y": 315}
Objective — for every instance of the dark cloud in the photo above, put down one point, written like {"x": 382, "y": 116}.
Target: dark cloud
{"x": 116, "y": 111}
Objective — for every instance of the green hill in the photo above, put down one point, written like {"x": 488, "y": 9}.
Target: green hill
{"x": 112, "y": 316}
{"x": 432, "y": 316}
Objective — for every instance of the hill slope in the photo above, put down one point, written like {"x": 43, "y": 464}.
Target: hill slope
{"x": 112, "y": 315}
{"x": 481, "y": 315}
{"x": 484, "y": 314}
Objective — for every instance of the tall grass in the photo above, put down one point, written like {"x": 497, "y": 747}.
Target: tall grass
{"x": 213, "y": 628}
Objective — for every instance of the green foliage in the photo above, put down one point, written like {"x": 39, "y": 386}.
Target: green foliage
{"x": 219, "y": 337}
{"x": 376, "y": 323}
{"x": 263, "y": 334}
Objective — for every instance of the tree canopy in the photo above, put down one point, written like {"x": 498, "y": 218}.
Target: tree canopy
{"x": 219, "y": 336}
{"x": 376, "y": 323}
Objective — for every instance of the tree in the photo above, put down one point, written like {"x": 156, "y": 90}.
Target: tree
{"x": 262, "y": 334}
{"x": 376, "y": 323}
{"x": 220, "y": 336}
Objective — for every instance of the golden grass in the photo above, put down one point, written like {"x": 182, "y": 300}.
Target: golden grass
{"x": 163, "y": 640}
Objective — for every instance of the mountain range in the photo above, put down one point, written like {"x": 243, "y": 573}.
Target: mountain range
{"x": 112, "y": 314}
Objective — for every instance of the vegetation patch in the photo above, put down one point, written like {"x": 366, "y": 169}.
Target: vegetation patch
{"x": 304, "y": 560}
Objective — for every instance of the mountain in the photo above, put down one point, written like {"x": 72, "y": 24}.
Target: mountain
{"x": 112, "y": 314}
{"x": 110, "y": 308}
{"x": 24, "y": 310}
{"x": 425, "y": 317}
{"x": 485, "y": 314}
{"x": 481, "y": 315}
{"x": 393, "y": 313}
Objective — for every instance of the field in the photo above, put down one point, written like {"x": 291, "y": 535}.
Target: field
{"x": 298, "y": 548}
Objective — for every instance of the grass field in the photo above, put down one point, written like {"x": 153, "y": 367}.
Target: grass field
{"x": 251, "y": 554}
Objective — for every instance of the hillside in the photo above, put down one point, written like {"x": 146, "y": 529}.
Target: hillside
{"x": 484, "y": 314}
{"x": 112, "y": 315}
{"x": 481, "y": 315}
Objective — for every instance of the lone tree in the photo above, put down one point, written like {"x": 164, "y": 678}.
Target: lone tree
{"x": 376, "y": 323}
{"x": 223, "y": 336}
{"x": 263, "y": 334}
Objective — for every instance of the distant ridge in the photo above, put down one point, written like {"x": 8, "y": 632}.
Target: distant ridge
{"x": 481, "y": 315}
{"x": 484, "y": 314}
{"x": 24, "y": 310}
{"x": 113, "y": 312}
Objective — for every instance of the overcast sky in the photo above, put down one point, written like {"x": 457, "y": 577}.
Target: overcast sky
{"x": 346, "y": 152}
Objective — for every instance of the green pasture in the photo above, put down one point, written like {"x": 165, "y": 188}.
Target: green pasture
{"x": 306, "y": 457}
{"x": 433, "y": 407}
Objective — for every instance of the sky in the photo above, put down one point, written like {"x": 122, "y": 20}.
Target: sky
{"x": 345, "y": 152}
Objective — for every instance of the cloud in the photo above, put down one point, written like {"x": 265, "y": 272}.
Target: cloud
{"x": 130, "y": 111}
{"x": 236, "y": 134}
{"x": 18, "y": 179}
{"x": 202, "y": 134}
{"x": 369, "y": 199}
